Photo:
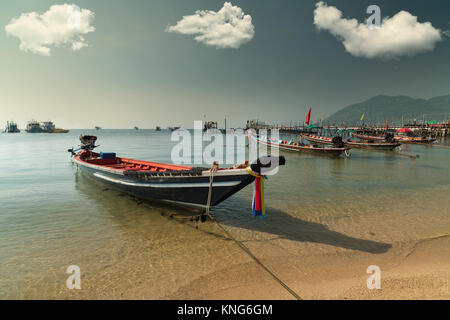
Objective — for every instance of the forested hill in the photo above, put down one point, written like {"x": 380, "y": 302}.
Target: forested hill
{"x": 392, "y": 108}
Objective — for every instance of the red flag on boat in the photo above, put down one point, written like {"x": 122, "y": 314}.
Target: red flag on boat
{"x": 308, "y": 117}
{"x": 387, "y": 126}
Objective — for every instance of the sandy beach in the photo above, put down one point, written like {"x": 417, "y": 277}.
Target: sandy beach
{"x": 414, "y": 270}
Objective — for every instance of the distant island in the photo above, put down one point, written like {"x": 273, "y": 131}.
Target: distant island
{"x": 393, "y": 108}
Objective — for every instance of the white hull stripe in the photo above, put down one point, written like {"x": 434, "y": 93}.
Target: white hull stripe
{"x": 168, "y": 185}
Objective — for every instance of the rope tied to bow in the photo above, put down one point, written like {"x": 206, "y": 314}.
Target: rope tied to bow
{"x": 213, "y": 170}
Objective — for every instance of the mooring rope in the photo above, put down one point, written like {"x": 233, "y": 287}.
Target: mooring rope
{"x": 239, "y": 243}
{"x": 247, "y": 250}
{"x": 211, "y": 179}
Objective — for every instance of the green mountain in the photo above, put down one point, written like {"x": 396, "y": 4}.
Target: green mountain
{"x": 392, "y": 108}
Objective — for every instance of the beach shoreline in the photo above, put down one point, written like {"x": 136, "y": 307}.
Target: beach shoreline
{"x": 417, "y": 270}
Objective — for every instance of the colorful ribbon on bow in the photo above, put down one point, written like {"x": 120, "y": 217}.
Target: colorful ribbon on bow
{"x": 258, "y": 207}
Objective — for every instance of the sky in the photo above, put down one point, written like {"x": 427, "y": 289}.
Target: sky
{"x": 158, "y": 62}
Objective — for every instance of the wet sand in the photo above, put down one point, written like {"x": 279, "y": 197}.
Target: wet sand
{"x": 414, "y": 270}
{"x": 147, "y": 255}
{"x": 316, "y": 260}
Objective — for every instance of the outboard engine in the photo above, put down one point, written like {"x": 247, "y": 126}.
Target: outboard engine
{"x": 87, "y": 143}
{"x": 338, "y": 142}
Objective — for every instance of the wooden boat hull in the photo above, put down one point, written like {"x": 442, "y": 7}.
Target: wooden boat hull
{"x": 306, "y": 149}
{"x": 159, "y": 181}
{"x": 188, "y": 190}
{"x": 398, "y": 139}
{"x": 184, "y": 190}
{"x": 415, "y": 140}
{"x": 366, "y": 137}
{"x": 353, "y": 144}
{"x": 372, "y": 146}
{"x": 320, "y": 140}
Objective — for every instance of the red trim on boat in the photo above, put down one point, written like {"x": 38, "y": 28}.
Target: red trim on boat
{"x": 125, "y": 164}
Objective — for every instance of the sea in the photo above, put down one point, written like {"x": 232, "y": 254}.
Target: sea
{"x": 52, "y": 216}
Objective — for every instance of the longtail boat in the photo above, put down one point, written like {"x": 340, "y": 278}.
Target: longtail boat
{"x": 299, "y": 147}
{"x": 376, "y": 145}
{"x": 317, "y": 139}
{"x": 418, "y": 140}
{"x": 396, "y": 138}
{"x": 168, "y": 182}
{"x": 337, "y": 141}
{"x": 368, "y": 137}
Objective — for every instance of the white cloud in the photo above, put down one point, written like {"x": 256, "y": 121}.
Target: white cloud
{"x": 61, "y": 25}
{"x": 227, "y": 28}
{"x": 398, "y": 36}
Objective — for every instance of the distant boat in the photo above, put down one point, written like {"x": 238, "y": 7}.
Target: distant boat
{"x": 59, "y": 130}
{"x": 376, "y": 145}
{"x": 158, "y": 128}
{"x": 418, "y": 140}
{"x": 44, "y": 127}
{"x": 300, "y": 147}
{"x": 210, "y": 126}
{"x": 173, "y": 128}
{"x": 368, "y": 137}
{"x": 405, "y": 135}
{"x": 136, "y": 128}
{"x": 11, "y": 127}
{"x": 97, "y": 128}
{"x": 49, "y": 127}
{"x": 33, "y": 127}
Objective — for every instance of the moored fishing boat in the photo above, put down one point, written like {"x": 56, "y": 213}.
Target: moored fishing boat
{"x": 418, "y": 140}
{"x": 368, "y": 137}
{"x": 396, "y": 138}
{"x": 406, "y": 135}
{"x": 300, "y": 147}
{"x": 33, "y": 127}
{"x": 43, "y": 127}
{"x": 167, "y": 182}
{"x": 318, "y": 139}
{"x": 375, "y": 145}
{"x": 11, "y": 127}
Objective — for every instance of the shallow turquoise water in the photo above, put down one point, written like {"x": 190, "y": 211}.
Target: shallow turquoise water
{"x": 52, "y": 216}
